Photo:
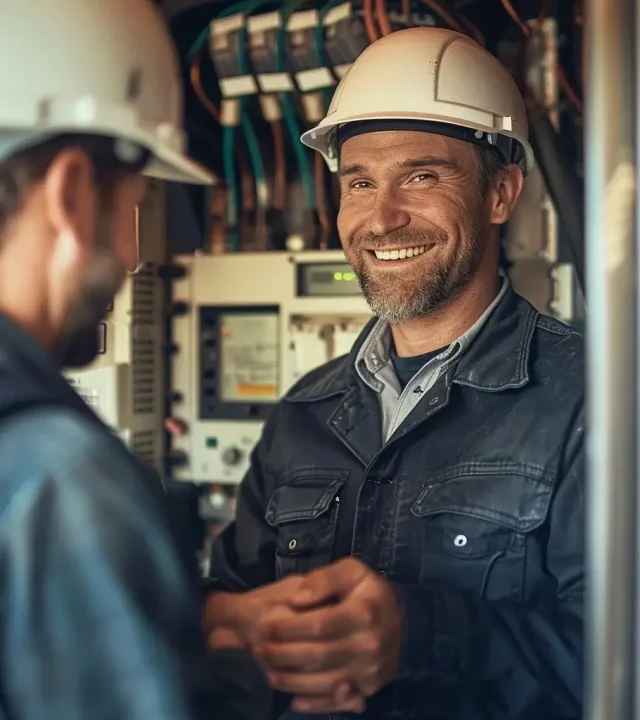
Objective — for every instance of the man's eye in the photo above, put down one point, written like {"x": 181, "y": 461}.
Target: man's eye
{"x": 360, "y": 184}
{"x": 423, "y": 177}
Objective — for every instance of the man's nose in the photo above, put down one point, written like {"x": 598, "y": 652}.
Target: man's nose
{"x": 387, "y": 214}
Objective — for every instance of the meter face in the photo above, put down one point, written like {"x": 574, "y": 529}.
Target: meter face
{"x": 239, "y": 361}
{"x": 249, "y": 358}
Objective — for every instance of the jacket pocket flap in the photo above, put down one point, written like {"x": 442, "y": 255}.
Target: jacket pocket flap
{"x": 290, "y": 503}
{"x": 508, "y": 494}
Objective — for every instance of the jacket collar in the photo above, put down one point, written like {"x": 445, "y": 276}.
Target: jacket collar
{"x": 497, "y": 359}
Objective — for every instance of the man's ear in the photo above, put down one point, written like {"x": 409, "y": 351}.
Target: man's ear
{"x": 505, "y": 194}
{"x": 70, "y": 195}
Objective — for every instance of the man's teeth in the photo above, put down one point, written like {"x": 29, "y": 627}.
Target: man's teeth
{"x": 400, "y": 254}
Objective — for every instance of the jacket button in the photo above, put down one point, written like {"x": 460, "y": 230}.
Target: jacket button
{"x": 460, "y": 540}
{"x": 293, "y": 544}
{"x": 381, "y": 572}
{"x": 434, "y": 401}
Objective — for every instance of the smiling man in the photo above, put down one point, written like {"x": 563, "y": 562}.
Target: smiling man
{"x": 423, "y": 497}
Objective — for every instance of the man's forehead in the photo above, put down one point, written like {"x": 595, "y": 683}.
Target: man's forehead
{"x": 397, "y": 146}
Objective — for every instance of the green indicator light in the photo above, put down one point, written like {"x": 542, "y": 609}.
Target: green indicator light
{"x": 337, "y": 276}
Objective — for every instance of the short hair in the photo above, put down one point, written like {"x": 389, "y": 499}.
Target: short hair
{"x": 25, "y": 168}
{"x": 491, "y": 163}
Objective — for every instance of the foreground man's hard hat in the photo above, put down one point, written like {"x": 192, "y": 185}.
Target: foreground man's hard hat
{"x": 98, "y": 67}
{"x": 428, "y": 74}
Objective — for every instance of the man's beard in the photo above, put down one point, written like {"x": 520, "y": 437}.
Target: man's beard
{"x": 400, "y": 300}
{"x": 79, "y": 343}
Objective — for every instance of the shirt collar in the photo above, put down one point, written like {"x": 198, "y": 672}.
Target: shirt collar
{"x": 376, "y": 349}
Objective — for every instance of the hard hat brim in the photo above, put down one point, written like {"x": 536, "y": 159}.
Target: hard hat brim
{"x": 321, "y": 137}
{"x": 167, "y": 165}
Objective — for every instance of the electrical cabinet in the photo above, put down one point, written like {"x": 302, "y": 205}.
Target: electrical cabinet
{"x": 255, "y": 324}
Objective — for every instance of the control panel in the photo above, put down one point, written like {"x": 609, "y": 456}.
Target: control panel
{"x": 258, "y": 322}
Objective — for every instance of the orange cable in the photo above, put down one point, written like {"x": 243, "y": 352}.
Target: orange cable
{"x": 196, "y": 82}
{"x": 563, "y": 82}
{"x": 437, "y": 8}
{"x": 472, "y": 29}
{"x": 369, "y": 21}
{"x": 246, "y": 181}
{"x": 280, "y": 171}
{"x": 384, "y": 23}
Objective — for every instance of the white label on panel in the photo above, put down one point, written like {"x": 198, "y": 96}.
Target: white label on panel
{"x": 249, "y": 358}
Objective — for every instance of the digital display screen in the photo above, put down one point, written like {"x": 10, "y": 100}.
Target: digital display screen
{"x": 327, "y": 280}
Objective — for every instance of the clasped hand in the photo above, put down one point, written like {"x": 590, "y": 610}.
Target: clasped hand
{"x": 330, "y": 639}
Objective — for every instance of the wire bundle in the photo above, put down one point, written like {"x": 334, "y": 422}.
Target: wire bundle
{"x": 261, "y": 193}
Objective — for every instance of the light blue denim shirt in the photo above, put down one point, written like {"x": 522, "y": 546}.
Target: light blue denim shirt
{"x": 101, "y": 613}
{"x": 375, "y": 368}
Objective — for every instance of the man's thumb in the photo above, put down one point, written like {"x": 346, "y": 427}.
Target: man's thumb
{"x": 329, "y": 584}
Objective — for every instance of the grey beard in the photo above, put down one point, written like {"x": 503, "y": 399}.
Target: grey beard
{"x": 437, "y": 290}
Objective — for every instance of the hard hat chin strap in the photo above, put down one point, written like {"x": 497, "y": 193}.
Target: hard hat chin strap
{"x": 509, "y": 148}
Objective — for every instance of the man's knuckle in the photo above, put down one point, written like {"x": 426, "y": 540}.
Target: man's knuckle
{"x": 372, "y": 646}
{"x": 316, "y": 660}
{"x": 367, "y": 614}
{"x": 316, "y": 629}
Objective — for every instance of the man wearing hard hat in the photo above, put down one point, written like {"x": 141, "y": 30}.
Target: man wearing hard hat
{"x": 424, "y": 496}
{"x": 100, "y": 613}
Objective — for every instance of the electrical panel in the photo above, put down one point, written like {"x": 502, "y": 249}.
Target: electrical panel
{"x": 125, "y": 384}
{"x": 255, "y": 324}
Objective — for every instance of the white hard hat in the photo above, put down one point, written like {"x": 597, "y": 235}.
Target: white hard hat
{"x": 96, "y": 67}
{"x": 430, "y": 75}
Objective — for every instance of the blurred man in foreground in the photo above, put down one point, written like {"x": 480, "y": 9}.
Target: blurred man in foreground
{"x": 100, "y": 605}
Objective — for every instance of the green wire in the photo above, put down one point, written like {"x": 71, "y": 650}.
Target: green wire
{"x": 255, "y": 157}
{"x": 303, "y": 161}
{"x": 319, "y": 34}
{"x": 291, "y": 121}
{"x": 253, "y": 146}
{"x": 229, "y": 169}
{"x": 228, "y": 157}
{"x": 319, "y": 31}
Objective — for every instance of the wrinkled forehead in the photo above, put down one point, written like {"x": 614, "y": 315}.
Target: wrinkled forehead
{"x": 388, "y": 149}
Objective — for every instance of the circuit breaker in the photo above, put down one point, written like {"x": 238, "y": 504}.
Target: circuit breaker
{"x": 256, "y": 323}
{"x": 125, "y": 384}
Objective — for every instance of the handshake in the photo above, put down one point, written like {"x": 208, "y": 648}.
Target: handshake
{"x": 331, "y": 638}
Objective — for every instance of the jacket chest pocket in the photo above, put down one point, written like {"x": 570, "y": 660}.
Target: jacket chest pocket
{"x": 304, "y": 514}
{"x": 476, "y": 522}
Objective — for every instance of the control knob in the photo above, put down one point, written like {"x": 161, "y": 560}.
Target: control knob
{"x": 232, "y": 456}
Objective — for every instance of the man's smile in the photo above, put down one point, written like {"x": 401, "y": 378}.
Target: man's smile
{"x": 399, "y": 256}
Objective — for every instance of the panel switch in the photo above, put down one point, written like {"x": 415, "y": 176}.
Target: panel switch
{"x": 232, "y": 456}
